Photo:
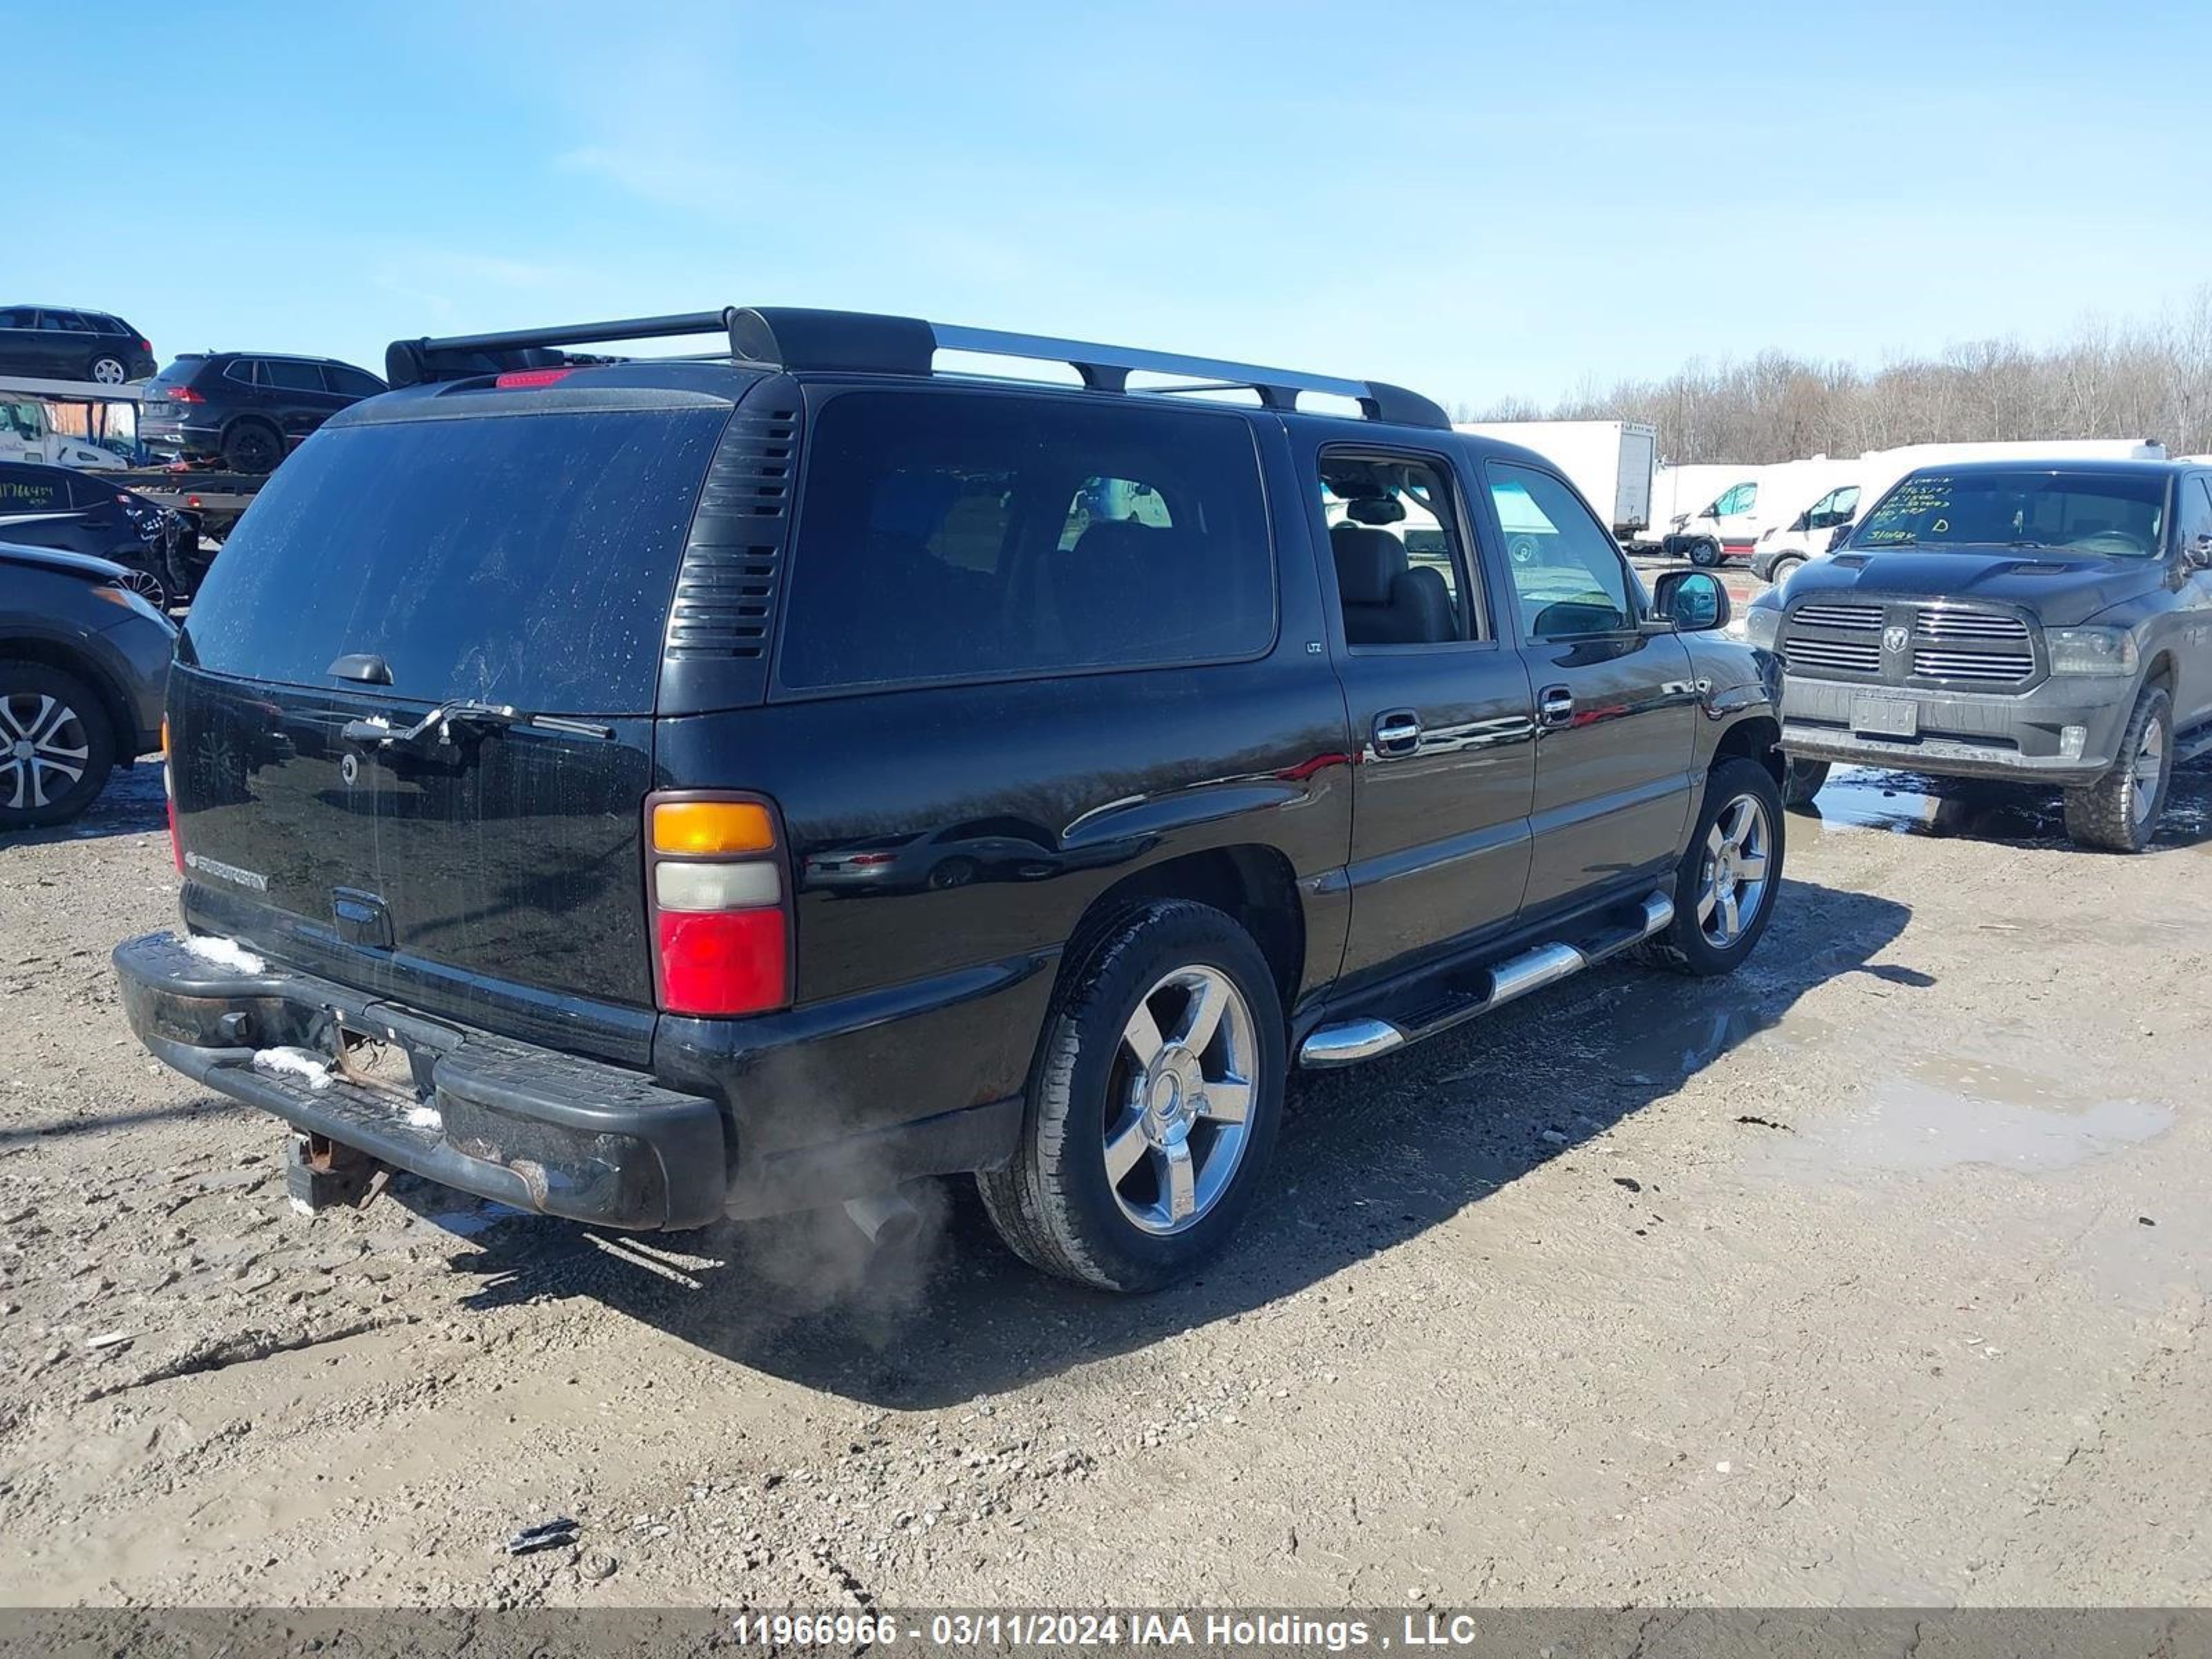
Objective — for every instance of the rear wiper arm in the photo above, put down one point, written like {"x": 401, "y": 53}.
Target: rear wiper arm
{"x": 378, "y": 733}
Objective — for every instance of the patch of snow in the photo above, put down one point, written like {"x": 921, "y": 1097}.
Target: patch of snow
{"x": 422, "y": 1117}
{"x": 224, "y": 953}
{"x": 300, "y": 1062}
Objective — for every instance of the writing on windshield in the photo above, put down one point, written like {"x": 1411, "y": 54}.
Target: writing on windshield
{"x": 2115, "y": 515}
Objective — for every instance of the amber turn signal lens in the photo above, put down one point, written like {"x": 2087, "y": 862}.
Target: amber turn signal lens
{"x": 705, "y": 829}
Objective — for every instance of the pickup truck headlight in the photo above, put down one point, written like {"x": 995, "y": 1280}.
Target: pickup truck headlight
{"x": 1762, "y": 625}
{"x": 2091, "y": 651}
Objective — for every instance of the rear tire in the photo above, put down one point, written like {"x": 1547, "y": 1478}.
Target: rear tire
{"x": 1801, "y": 780}
{"x": 2119, "y": 813}
{"x": 56, "y": 745}
{"x": 108, "y": 371}
{"x": 1095, "y": 1106}
{"x": 250, "y": 447}
{"x": 1727, "y": 882}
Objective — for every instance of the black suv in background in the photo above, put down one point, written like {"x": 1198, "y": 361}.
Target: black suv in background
{"x": 248, "y": 410}
{"x": 57, "y": 343}
{"x": 88, "y": 512}
{"x": 649, "y": 791}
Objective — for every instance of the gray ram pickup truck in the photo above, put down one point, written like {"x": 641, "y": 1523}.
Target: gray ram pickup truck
{"x": 2047, "y": 623}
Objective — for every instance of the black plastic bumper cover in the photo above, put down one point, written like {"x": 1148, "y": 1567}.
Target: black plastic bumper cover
{"x": 530, "y": 1127}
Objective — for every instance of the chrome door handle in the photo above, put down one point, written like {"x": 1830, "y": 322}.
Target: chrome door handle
{"x": 1398, "y": 732}
{"x": 1556, "y": 707}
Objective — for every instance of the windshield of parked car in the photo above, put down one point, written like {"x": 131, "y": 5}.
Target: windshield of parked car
{"x": 2111, "y": 514}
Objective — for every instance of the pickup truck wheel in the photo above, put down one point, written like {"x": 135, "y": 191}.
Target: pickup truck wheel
{"x": 2119, "y": 813}
{"x": 57, "y": 746}
{"x": 1725, "y": 887}
{"x": 1803, "y": 779}
{"x": 1153, "y": 1103}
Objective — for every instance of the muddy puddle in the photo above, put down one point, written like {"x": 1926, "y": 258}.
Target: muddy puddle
{"x": 1943, "y": 1111}
{"x": 1916, "y": 804}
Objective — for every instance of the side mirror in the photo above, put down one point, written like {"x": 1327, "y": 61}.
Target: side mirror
{"x": 2199, "y": 553}
{"x": 1693, "y": 600}
{"x": 1842, "y": 530}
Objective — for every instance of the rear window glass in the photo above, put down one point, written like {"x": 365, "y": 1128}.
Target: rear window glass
{"x": 947, "y": 535}
{"x": 518, "y": 559}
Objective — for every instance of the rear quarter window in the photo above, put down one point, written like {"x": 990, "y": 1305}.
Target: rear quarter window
{"x": 520, "y": 559}
{"x": 945, "y": 536}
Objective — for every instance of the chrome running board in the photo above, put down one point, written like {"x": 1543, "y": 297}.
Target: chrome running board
{"x": 1348, "y": 1041}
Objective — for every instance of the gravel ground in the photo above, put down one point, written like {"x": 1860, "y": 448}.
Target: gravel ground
{"x": 1877, "y": 1274}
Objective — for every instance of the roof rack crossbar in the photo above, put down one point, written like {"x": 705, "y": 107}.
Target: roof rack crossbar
{"x": 798, "y": 338}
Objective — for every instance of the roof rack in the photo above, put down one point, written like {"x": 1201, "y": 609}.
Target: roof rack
{"x": 794, "y": 338}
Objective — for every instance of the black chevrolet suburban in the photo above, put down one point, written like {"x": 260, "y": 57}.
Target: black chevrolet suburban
{"x": 2045, "y": 623}
{"x": 651, "y": 791}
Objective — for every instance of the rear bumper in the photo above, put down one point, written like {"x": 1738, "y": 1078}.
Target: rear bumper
{"x": 527, "y": 1125}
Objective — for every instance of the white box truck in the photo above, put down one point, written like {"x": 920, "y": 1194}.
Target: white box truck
{"x": 1609, "y": 461}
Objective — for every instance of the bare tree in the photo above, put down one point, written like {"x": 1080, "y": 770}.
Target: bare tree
{"x": 2138, "y": 380}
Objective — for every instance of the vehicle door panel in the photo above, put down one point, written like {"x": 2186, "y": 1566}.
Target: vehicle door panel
{"x": 1445, "y": 742}
{"x": 1614, "y": 704}
{"x": 2192, "y": 621}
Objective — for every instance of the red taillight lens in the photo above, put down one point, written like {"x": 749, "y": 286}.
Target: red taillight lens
{"x": 724, "y": 961}
{"x": 183, "y": 394}
{"x": 715, "y": 880}
{"x": 517, "y": 378}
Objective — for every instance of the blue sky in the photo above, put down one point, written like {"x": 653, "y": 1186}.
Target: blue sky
{"x": 1472, "y": 199}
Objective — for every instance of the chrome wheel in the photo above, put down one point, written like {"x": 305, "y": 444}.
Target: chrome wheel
{"x": 108, "y": 371}
{"x": 43, "y": 750}
{"x": 146, "y": 585}
{"x": 1179, "y": 1098}
{"x": 2149, "y": 767}
{"x": 1732, "y": 880}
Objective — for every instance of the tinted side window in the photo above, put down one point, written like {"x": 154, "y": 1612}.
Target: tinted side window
{"x": 245, "y": 371}
{"x": 2195, "y": 518}
{"x": 27, "y": 489}
{"x": 18, "y": 316}
{"x": 351, "y": 381}
{"x": 1567, "y": 572}
{"x": 947, "y": 535}
{"x": 291, "y": 376}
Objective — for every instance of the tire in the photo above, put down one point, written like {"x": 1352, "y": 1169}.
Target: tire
{"x": 1057, "y": 1205}
{"x": 955, "y": 872}
{"x": 56, "y": 745}
{"x": 2119, "y": 813}
{"x": 108, "y": 371}
{"x": 1706, "y": 554}
{"x": 1780, "y": 573}
{"x": 1699, "y": 943}
{"x": 250, "y": 447}
{"x": 1801, "y": 781}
